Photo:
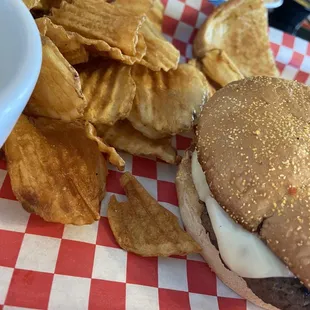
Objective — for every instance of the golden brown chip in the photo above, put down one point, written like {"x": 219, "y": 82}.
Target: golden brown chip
{"x": 48, "y": 4}
{"x": 240, "y": 28}
{"x": 55, "y": 170}
{"x": 148, "y": 131}
{"x": 41, "y": 5}
{"x": 31, "y": 3}
{"x": 167, "y": 102}
{"x": 113, "y": 156}
{"x": 160, "y": 53}
{"x": 156, "y": 14}
{"x": 42, "y": 25}
{"x": 109, "y": 90}
{"x": 197, "y": 64}
{"x": 153, "y": 9}
{"x": 110, "y": 18}
{"x": 57, "y": 93}
{"x": 124, "y": 137}
{"x": 219, "y": 67}
{"x": 135, "y": 7}
{"x": 106, "y": 29}
{"x": 68, "y": 44}
{"x": 144, "y": 227}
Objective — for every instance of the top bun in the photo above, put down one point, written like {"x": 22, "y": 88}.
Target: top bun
{"x": 253, "y": 144}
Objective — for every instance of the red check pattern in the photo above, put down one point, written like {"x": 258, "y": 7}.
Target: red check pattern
{"x": 48, "y": 266}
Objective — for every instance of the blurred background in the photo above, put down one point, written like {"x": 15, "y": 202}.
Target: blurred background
{"x": 291, "y": 16}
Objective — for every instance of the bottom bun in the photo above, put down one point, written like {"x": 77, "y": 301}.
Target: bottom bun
{"x": 191, "y": 209}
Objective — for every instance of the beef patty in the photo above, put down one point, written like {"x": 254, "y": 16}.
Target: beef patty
{"x": 283, "y": 293}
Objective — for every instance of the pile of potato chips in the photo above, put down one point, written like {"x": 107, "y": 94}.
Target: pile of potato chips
{"x": 107, "y": 63}
{"x": 109, "y": 81}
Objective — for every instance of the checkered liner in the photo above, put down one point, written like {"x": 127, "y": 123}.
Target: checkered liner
{"x": 45, "y": 265}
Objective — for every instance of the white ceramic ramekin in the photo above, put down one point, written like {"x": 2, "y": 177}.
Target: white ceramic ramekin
{"x": 20, "y": 62}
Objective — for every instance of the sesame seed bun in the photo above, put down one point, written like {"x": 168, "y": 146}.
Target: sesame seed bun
{"x": 253, "y": 145}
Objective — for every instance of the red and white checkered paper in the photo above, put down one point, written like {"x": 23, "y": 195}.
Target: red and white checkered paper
{"x": 45, "y": 265}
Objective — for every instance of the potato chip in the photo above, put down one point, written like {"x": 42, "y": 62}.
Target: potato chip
{"x": 219, "y": 67}
{"x": 240, "y": 28}
{"x": 113, "y": 156}
{"x": 166, "y": 103}
{"x": 109, "y": 89}
{"x": 56, "y": 171}
{"x": 105, "y": 29}
{"x": 156, "y": 14}
{"x": 124, "y": 137}
{"x": 41, "y": 5}
{"x": 110, "y": 18}
{"x": 151, "y": 133}
{"x": 48, "y": 4}
{"x": 58, "y": 92}
{"x": 197, "y": 64}
{"x": 68, "y": 44}
{"x": 135, "y": 7}
{"x": 31, "y": 3}
{"x": 142, "y": 226}
{"x": 160, "y": 53}
{"x": 42, "y": 25}
{"x": 153, "y": 9}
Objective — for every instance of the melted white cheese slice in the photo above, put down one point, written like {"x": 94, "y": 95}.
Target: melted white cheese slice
{"x": 242, "y": 251}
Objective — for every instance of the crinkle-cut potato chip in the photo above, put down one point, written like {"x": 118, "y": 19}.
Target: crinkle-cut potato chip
{"x": 48, "y": 4}
{"x": 153, "y": 9}
{"x": 124, "y": 137}
{"x": 113, "y": 156}
{"x": 58, "y": 93}
{"x": 56, "y": 171}
{"x": 156, "y": 14}
{"x": 109, "y": 90}
{"x": 42, "y": 5}
{"x": 160, "y": 53}
{"x": 31, "y": 3}
{"x": 197, "y": 64}
{"x": 148, "y": 131}
{"x": 103, "y": 28}
{"x": 167, "y": 103}
{"x": 136, "y": 7}
{"x": 143, "y": 227}
{"x": 240, "y": 28}
{"x": 68, "y": 44}
{"x": 217, "y": 66}
{"x": 109, "y": 17}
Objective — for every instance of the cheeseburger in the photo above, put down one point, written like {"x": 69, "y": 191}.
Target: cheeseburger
{"x": 244, "y": 190}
